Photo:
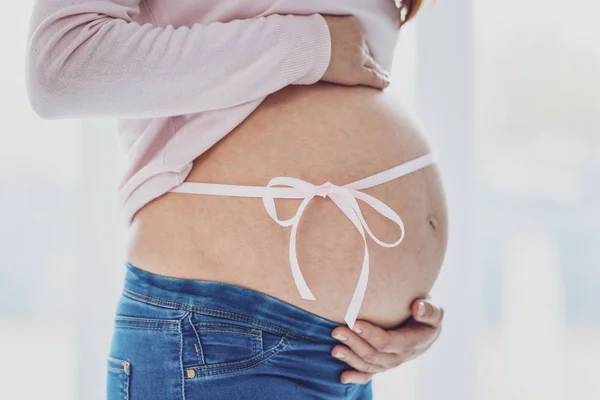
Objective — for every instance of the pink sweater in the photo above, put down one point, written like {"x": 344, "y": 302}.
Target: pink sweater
{"x": 180, "y": 75}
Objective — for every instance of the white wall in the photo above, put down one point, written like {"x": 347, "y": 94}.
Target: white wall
{"x": 101, "y": 255}
{"x": 445, "y": 100}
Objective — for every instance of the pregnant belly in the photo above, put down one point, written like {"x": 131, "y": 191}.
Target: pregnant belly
{"x": 315, "y": 133}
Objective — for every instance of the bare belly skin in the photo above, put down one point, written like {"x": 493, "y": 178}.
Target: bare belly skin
{"x": 316, "y": 133}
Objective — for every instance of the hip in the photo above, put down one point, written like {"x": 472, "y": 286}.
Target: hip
{"x": 194, "y": 339}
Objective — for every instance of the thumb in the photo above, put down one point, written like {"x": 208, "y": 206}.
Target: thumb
{"x": 426, "y": 312}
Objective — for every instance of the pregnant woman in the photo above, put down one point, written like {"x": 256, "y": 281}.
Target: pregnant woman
{"x": 287, "y": 215}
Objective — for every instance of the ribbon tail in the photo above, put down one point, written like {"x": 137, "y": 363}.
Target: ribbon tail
{"x": 359, "y": 292}
{"x": 301, "y": 285}
{"x": 348, "y": 205}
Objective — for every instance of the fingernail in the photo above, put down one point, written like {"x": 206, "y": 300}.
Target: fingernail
{"x": 347, "y": 380}
{"x": 422, "y": 308}
{"x": 357, "y": 330}
{"x": 339, "y": 355}
{"x": 339, "y": 336}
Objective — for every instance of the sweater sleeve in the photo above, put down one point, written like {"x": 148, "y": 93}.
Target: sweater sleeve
{"x": 88, "y": 59}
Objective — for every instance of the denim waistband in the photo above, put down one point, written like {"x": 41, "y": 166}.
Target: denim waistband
{"x": 236, "y": 302}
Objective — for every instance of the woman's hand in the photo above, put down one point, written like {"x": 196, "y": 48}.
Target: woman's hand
{"x": 370, "y": 349}
{"x": 351, "y": 62}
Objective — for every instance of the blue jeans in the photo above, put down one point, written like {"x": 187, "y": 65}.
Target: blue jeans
{"x": 194, "y": 339}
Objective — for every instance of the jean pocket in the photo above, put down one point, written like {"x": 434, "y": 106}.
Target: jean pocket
{"x": 118, "y": 373}
{"x": 223, "y": 345}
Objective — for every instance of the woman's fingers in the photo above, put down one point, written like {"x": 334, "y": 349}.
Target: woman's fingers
{"x": 351, "y": 376}
{"x": 370, "y": 63}
{"x": 371, "y": 348}
{"x": 373, "y": 74}
{"x": 351, "y": 62}
{"x": 356, "y": 362}
{"x": 374, "y": 78}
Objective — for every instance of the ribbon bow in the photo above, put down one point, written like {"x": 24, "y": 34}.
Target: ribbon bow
{"x": 345, "y": 198}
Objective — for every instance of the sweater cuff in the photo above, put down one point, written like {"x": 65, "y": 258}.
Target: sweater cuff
{"x": 306, "y": 48}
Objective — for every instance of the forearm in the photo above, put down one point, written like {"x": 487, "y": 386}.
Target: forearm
{"x": 92, "y": 60}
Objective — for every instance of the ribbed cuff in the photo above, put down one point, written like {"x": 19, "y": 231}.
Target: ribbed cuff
{"x": 306, "y": 47}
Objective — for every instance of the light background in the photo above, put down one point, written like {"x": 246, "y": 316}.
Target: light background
{"x": 510, "y": 94}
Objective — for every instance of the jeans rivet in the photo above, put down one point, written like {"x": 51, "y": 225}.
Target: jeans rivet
{"x": 191, "y": 373}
